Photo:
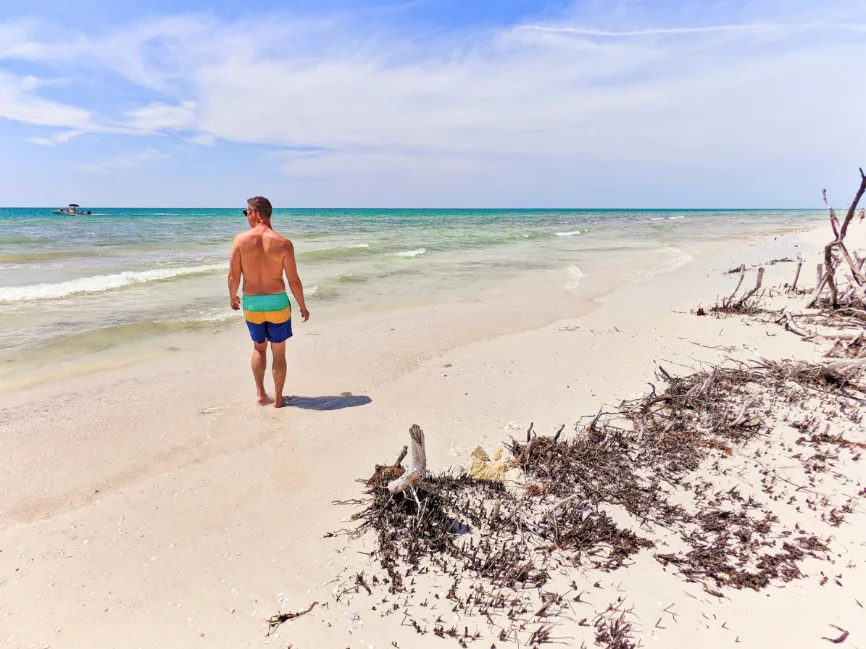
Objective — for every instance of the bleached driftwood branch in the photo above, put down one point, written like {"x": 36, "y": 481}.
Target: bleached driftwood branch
{"x": 840, "y": 230}
{"x": 797, "y": 274}
{"x": 742, "y": 417}
{"x": 760, "y": 279}
{"x": 730, "y": 299}
{"x": 790, "y": 326}
{"x": 418, "y": 466}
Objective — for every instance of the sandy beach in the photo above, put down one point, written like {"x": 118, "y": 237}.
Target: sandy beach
{"x": 157, "y": 505}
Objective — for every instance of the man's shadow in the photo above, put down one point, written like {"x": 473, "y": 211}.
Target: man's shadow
{"x": 345, "y": 400}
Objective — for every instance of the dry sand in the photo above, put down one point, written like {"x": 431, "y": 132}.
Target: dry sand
{"x": 158, "y": 506}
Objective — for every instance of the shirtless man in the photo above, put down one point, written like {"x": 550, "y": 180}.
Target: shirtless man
{"x": 261, "y": 255}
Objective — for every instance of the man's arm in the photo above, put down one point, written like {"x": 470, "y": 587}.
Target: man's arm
{"x": 291, "y": 269}
{"x": 235, "y": 275}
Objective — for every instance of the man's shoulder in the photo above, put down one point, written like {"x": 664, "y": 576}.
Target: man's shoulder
{"x": 276, "y": 236}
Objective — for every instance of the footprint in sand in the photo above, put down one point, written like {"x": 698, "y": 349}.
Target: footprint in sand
{"x": 209, "y": 411}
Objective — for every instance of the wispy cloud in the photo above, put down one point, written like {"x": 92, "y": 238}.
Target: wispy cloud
{"x": 20, "y": 101}
{"x": 682, "y": 31}
{"x": 160, "y": 117}
{"x": 119, "y": 163}
{"x": 528, "y": 105}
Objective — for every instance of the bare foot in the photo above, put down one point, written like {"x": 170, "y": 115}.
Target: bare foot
{"x": 279, "y": 402}
{"x": 262, "y": 399}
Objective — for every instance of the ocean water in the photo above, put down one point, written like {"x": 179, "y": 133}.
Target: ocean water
{"x": 73, "y": 284}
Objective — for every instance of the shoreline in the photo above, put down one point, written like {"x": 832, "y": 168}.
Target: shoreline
{"x": 136, "y": 306}
{"x": 230, "y": 498}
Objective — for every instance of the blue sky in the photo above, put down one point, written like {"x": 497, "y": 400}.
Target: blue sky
{"x": 432, "y": 103}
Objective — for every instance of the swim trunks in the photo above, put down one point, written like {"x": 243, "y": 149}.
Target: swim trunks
{"x": 269, "y": 317}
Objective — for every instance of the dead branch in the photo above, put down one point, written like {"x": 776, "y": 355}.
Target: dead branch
{"x": 727, "y": 302}
{"x": 838, "y": 243}
{"x": 797, "y": 274}
{"x": 742, "y": 417}
{"x": 276, "y": 620}
{"x": 790, "y": 326}
{"x": 418, "y": 466}
{"x": 757, "y": 287}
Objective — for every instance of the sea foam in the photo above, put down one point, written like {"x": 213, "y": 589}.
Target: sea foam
{"x": 575, "y": 274}
{"x": 98, "y": 283}
{"x": 568, "y": 234}
{"x": 411, "y": 253}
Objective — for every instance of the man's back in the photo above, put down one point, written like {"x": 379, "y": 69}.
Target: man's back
{"x": 263, "y": 257}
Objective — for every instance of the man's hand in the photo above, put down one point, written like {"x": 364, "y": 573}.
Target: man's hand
{"x": 235, "y": 302}
{"x": 305, "y": 314}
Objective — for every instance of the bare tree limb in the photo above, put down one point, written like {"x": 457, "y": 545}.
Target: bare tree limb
{"x": 418, "y": 466}
{"x": 760, "y": 279}
{"x": 840, "y": 231}
{"x": 730, "y": 299}
{"x": 797, "y": 274}
{"x": 790, "y": 326}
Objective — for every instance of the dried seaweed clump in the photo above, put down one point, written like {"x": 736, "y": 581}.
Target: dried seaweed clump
{"x": 499, "y": 547}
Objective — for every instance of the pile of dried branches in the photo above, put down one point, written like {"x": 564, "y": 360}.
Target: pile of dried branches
{"x": 744, "y": 305}
{"x": 498, "y": 547}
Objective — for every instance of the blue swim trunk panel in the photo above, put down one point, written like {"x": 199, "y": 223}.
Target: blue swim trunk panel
{"x": 275, "y": 333}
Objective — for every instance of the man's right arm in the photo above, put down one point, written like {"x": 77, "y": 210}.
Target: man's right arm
{"x": 291, "y": 269}
{"x": 235, "y": 274}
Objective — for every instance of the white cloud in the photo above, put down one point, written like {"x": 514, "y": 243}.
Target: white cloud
{"x": 159, "y": 116}
{"x": 202, "y": 139}
{"x": 537, "y": 103}
{"x": 19, "y": 102}
{"x": 126, "y": 162}
{"x": 58, "y": 137}
{"x": 683, "y": 31}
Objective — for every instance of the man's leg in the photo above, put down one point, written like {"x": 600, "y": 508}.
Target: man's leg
{"x": 260, "y": 364}
{"x": 279, "y": 369}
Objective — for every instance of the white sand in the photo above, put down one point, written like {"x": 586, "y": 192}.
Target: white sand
{"x": 158, "y": 506}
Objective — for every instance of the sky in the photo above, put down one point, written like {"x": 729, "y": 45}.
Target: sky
{"x": 432, "y": 103}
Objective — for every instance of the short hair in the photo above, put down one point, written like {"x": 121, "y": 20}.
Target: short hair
{"x": 261, "y": 205}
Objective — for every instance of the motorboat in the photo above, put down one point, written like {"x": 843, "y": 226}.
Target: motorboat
{"x": 72, "y": 209}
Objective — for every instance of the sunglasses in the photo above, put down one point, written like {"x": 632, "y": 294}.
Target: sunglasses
{"x": 247, "y": 212}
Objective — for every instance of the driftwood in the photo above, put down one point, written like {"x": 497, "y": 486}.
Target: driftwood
{"x": 797, "y": 274}
{"x": 418, "y": 466}
{"x": 730, "y": 305}
{"x": 729, "y": 300}
{"x": 276, "y": 620}
{"x": 757, "y": 287}
{"x": 793, "y": 328}
{"x": 838, "y": 243}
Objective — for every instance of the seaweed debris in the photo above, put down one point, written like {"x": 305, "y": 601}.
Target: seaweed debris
{"x": 598, "y": 497}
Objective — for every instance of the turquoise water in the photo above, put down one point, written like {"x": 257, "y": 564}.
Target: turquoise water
{"x": 89, "y": 281}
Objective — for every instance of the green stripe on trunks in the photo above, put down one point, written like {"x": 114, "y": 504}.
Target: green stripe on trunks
{"x": 259, "y": 303}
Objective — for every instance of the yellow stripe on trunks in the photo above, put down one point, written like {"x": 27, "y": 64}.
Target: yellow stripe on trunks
{"x": 276, "y": 317}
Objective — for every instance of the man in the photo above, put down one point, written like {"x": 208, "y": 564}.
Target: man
{"x": 261, "y": 256}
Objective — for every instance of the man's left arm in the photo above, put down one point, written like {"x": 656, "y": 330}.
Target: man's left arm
{"x": 235, "y": 276}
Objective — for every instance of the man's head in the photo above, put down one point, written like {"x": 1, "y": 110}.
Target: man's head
{"x": 258, "y": 211}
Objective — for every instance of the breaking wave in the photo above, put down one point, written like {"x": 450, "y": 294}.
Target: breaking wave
{"x": 99, "y": 283}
